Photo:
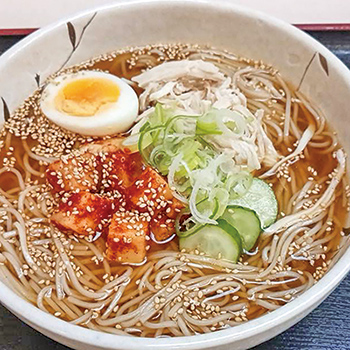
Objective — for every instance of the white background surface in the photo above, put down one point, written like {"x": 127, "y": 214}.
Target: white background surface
{"x": 36, "y": 13}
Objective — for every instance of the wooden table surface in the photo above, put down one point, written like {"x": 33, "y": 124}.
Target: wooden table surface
{"x": 326, "y": 328}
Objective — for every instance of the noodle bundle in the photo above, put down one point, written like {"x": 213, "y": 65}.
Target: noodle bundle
{"x": 174, "y": 293}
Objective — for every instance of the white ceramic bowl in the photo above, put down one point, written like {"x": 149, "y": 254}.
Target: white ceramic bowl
{"x": 241, "y": 31}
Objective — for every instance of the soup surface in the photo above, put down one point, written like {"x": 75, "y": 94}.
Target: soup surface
{"x": 172, "y": 292}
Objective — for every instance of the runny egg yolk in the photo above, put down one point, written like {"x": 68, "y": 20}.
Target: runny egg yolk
{"x": 85, "y": 97}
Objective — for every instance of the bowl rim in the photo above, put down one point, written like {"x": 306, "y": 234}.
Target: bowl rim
{"x": 286, "y": 314}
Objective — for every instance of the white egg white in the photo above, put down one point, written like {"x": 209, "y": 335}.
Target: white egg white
{"x": 110, "y": 119}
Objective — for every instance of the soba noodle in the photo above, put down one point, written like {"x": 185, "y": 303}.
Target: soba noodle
{"x": 174, "y": 293}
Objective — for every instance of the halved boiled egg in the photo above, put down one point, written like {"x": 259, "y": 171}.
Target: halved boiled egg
{"x": 90, "y": 103}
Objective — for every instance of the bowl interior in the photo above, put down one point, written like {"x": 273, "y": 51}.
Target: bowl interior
{"x": 300, "y": 59}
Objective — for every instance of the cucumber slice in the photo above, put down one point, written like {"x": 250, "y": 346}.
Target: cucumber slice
{"x": 246, "y": 222}
{"x": 261, "y": 199}
{"x": 220, "y": 241}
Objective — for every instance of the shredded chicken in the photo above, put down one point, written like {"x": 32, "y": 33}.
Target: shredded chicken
{"x": 251, "y": 147}
{"x": 266, "y": 150}
{"x": 195, "y": 86}
{"x": 192, "y": 88}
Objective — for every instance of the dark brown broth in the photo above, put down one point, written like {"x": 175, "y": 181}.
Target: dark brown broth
{"x": 322, "y": 163}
